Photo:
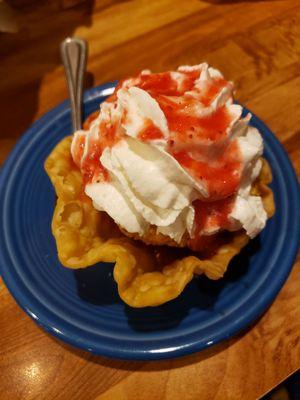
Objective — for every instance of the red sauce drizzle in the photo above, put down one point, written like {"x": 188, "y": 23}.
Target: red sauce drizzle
{"x": 79, "y": 150}
{"x": 113, "y": 97}
{"x": 90, "y": 119}
{"x": 150, "y": 132}
{"x": 176, "y": 110}
{"x": 212, "y": 127}
{"x": 213, "y": 88}
{"x": 91, "y": 167}
{"x": 209, "y": 215}
{"x": 189, "y": 81}
{"x": 164, "y": 84}
{"x": 222, "y": 178}
{"x": 161, "y": 83}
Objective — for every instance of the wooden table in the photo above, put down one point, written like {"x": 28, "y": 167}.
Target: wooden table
{"x": 256, "y": 44}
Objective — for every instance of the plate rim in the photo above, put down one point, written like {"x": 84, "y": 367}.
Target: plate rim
{"x": 256, "y": 312}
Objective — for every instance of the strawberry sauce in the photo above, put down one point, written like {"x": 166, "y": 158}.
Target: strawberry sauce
{"x": 185, "y": 126}
{"x": 87, "y": 123}
{"x": 150, "y": 132}
{"x": 222, "y": 178}
{"x": 91, "y": 167}
{"x": 209, "y": 215}
{"x": 198, "y": 140}
{"x": 220, "y": 175}
{"x": 210, "y": 93}
{"x": 79, "y": 150}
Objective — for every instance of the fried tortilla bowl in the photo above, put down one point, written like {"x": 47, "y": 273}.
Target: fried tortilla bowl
{"x": 85, "y": 236}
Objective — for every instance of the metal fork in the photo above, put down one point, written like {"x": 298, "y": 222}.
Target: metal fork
{"x": 74, "y": 55}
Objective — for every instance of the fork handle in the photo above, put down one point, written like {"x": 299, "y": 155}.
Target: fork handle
{"x": 74, "y": 54}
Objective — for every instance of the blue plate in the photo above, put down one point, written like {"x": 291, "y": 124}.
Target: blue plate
{"x": 83, "y": 307}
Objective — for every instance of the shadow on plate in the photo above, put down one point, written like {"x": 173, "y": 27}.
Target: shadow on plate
{"x": 97, "y": 286}
{"x": 201, "y": 293}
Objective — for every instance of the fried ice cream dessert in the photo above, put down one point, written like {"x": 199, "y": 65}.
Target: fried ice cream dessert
{"x": 166, "y": 180}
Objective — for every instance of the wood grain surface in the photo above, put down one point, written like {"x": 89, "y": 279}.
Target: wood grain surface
{"x": 254, "y": 43}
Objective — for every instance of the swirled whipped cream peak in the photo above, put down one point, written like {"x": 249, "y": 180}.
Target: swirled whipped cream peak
{"x": 171, "y": 151}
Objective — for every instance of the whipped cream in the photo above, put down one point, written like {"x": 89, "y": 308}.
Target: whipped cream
{"x": 163, "y": 142}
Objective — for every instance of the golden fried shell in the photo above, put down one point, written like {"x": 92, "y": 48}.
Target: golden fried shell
{"x": 85, "y": 236}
